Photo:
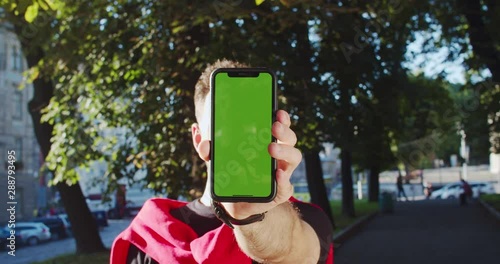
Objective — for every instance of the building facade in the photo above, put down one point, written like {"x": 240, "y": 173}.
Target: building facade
{"x": 16, "y": 130}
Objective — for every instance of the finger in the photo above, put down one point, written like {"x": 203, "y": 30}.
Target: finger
{"x": 283, "y": 117}
{"x": 285, "y": 188}
{"x": 289, "y": 154}
{"x": 284, "y": 134}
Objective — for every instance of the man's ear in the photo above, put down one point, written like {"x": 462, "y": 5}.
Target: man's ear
{"x": 201, "y": 146}
{"x": 196, "y": 134}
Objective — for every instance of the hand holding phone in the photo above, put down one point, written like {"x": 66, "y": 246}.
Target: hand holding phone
{"x": 287, "y": 158}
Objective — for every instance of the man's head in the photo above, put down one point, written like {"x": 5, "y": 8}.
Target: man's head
{"x": 200, "y": 131}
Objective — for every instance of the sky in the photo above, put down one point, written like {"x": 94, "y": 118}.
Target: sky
{"x": 431, "y": 64}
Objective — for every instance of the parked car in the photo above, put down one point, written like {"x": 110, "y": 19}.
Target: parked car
{"x": 479, "y": 188}
{"x": 58, "y": 229}
{"x": 449, "y": 191}
{"x": 101, "y": 218}
{"x": 32, "y": 233}
{"x": 453, "y": 190}
{"x": 4, "y": 234}
{"x": 67, "y": 224}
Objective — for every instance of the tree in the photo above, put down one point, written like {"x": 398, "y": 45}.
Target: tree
{"x": 381, "y": 40}
{"x": 471, "y": 111}
{"x": 428, "y": 114}
{"x": 35, "y": 39}
{"x": 469, "y": 28}
{"x": 341, "y": 83}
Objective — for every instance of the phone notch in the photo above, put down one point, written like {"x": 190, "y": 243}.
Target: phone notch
{"x": 246, "y": 74}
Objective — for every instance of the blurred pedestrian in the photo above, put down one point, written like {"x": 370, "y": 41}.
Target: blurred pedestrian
{"x": 427, "y": 189}
{"x": 52, "y": 211}
{"x": 412, "y": 189}
{"x": 466, "y": 192}
{"x": 399, "y": 184}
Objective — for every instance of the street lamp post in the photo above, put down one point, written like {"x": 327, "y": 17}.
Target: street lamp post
{"x": 464, "y": 152}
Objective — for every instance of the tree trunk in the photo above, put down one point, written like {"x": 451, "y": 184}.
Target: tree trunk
{"x": 317, "y": 189}
{"x": 347, "y": 191}
{"x": 373, "y": 184}
{"x": 83, "y": 224}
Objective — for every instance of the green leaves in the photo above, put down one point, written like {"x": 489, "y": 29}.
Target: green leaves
{"x": 125, "y": 74}
{"x": 31, "y": 12}
{"x": 29, "y": 9}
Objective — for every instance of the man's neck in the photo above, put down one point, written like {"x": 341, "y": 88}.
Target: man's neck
{"x": 206, "y": 198}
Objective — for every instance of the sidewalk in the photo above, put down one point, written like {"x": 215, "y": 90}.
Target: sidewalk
{"x": 429, "y": 231}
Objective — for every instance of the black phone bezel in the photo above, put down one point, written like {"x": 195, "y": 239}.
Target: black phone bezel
{"x": 242, "y": 72}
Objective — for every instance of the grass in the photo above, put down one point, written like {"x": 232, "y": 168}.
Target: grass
{"x": 492, "y": 199}
{"x": 361, "y": 208}
{"x": 95, "y": 258}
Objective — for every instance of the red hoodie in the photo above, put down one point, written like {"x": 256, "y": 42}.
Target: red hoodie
{"x": 168, "y": 240}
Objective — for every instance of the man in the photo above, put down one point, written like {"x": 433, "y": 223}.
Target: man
{"x": 168, "y": 231}
{"x": 401, "y": 189}
{"x": 467, "y": 192}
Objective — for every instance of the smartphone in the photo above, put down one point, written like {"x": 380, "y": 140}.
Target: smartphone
{"x": 243, "y": 108}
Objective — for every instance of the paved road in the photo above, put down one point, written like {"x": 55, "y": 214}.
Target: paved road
{"x": 429, "y": 231}
{"x": 65, "y": 246}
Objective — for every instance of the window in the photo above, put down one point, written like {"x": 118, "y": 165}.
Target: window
{"x": 20, "y": 61}
{"x": 16, "y": 59}
{"x": 20, "y": 203}
{"x": 18, "y": 148}
{"x": 3, "y": 152}
{"x": 18, "y": 105}
{"x": 2, "y": 111}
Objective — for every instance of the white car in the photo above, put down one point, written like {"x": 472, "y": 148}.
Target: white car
{"x": 479, "y": 188}
{"x": 67, "y": 224}
{"x": 32, "y": 233}
{"x": 448, "y": 191}
{"x": 453, "y": 190}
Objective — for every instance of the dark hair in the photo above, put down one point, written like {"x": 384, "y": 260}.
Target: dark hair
{"x": 202, "y": 87}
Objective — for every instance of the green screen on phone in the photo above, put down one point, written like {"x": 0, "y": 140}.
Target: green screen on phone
{"x": 241, "y": 132}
